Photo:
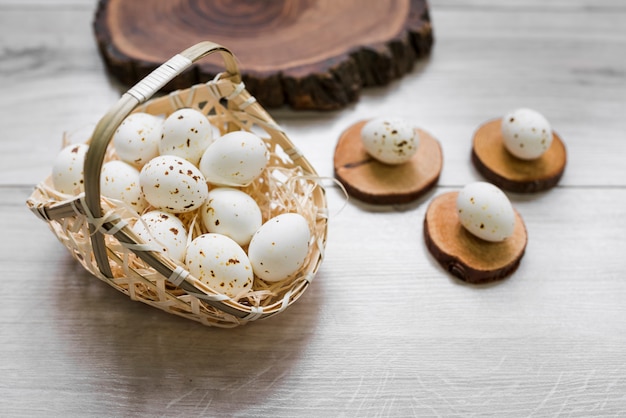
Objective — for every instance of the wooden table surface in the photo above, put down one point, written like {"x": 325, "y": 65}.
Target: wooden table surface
{"x": 383, "y": 330}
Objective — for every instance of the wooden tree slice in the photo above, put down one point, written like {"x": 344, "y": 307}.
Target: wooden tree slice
{"x": 501, "y": 168}
{"x": 464, "y": 255}
{"x": 371, "y": 181}
{"x": 309, "y": 54}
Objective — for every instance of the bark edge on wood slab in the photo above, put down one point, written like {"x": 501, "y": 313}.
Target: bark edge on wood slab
{"x": 132, "y": 39}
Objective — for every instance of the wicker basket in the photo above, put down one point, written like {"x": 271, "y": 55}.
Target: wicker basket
{"x": 97, "y": 231}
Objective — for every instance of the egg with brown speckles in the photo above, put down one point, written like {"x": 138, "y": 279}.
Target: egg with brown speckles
{"x": 526, "y": 133}
{"x": 120, "y": 181}
{"x": 485, "y": 211}
{"x": 165, "y": 231}
{"x": 187, "y": 133}
{"x": 136, "y": 140}
{"x": 173, "y": 184}
{"x": 67, "y": 169}
{"x": 279, "y": 247}
{"x": 220, "y": 263}
{"x": 390, "y": 140}
{"x": 235, "y": 159}
{"x": 231, "y": 212}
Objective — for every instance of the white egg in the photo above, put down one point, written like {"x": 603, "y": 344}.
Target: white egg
{"x": 233, "y": 213}
{"x": 221, "y": 263}
{"x": 136, "y": 140}
{"x": 164, "y": 230}
{"x": 390, "y": 140}
{"x": 235, "y": 159}
{"x": 173, "y": 184}
{"x": 186, "y": 133}
{"x": 120, "y": 180}
{"x": 279, "y": 247}
{"x": 67, "y": 169}
{"x": 485, "y": 211}
{"x": 526, "y": 133}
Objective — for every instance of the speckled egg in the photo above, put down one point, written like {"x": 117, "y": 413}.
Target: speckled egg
{"x": 120, "y": 181}
{"x": 485, "y": 211}
{"x": 235, "y": 159}
{"x": 174, "y": 184}
{"x": 187, "y": 133}
{"x": 390, "y": 140}
{"x": 165, "y": 230}
{"x": 231, "y": 212}
{"x": 136, "y": 140}
{"x": 279, "y": 247}
{"x": 67, "y": 169}
{"x": 221, "y": 263}
{"x": 526, "y": 133}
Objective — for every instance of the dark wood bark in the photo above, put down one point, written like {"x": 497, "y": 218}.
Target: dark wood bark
{"x": 307, "y": 54}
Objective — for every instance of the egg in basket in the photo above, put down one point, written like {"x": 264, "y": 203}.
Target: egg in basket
{"x": 195, "y": 202}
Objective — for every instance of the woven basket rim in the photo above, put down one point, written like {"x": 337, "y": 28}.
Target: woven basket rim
{"x": 243, "y": 113}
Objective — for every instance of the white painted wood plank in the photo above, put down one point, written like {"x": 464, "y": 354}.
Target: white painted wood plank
{"x": 52, "y": 82}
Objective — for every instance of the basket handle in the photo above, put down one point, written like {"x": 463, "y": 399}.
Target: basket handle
{"x": 106, "y": 127}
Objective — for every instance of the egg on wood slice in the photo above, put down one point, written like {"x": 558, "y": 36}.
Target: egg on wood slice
{"x": 390, "y": 140}
{"x": 526, "y": 133}
{"x": 485, "y": 211}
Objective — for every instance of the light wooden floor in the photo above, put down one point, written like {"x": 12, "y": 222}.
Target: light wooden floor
{"x": 383, "y": 331}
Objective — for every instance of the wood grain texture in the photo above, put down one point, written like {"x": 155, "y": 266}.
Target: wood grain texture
{"x": 305, "y": 54}
{"x": 383, "y": 330}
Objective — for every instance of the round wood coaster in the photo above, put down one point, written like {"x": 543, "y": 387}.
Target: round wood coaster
{"x": 501, "y": 168}
{"x": 371, "y": 181}
{"x": 308, "y": 54}
{"x": 467, "y": 257}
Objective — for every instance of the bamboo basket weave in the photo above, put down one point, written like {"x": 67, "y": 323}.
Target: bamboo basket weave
{"x": 97, "y": 231}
